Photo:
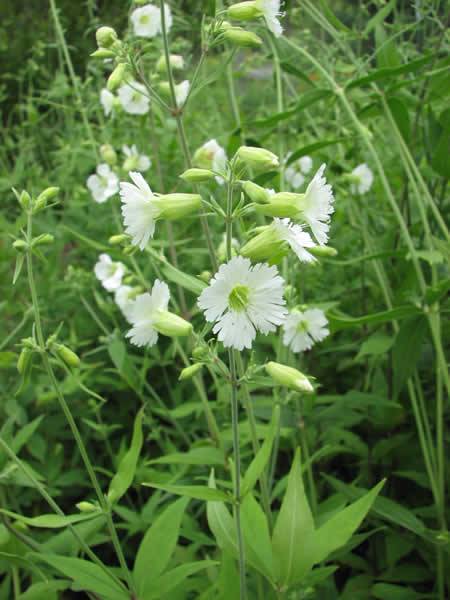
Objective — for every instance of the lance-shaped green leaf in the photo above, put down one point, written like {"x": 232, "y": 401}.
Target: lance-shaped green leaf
{"x": 157, "y": 547}
{"x": 170, "y": 580}
{"x": 293, "y": 525}
{"x": 257, "y": 537}
{"x": 199, "y": 492}
{"x": 52, "y": 521}
{"x": 127, "y": 467}
{"x": 221, "y": 523}
{"x": 259, "y": 463}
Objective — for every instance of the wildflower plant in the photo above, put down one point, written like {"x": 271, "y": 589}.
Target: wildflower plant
{"x": 206, "y": 275}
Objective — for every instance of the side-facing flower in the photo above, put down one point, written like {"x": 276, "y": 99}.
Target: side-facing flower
{"x": 242, "y": 299}
{"x": 211, "y": 156}
{"x": 303, "y": 329}
{"x": 109, "y": 273}
{"x": 275, "y": 240}
{"x": 270, "y": 10}
{"x": 107, "y": 101}
{"x": 362, "y": 178}
{"x": 103, "y": 184}
{"x": 149, "y": 316}
{"x": 296, "y": 171}
{"x": 181, "y": 92}
{"x": 124, "y": 297}
{"x": 133, "y": 98}
{"x": 146, "y": 20}
{"x": 135, "y": 160}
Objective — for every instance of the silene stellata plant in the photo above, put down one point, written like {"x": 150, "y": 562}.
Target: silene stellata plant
{"x": 226, "y": 514}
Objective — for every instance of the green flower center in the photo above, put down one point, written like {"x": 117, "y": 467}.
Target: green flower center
{"x": 238, "y": 298}
{"x": 144, "y": 20}
{"x": 136, "y": 97}
{"x": 302, "y": 327}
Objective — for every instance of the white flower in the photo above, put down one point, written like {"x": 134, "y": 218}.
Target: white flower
{"x": 364, "y": 178}
{"x": 181, "y": 92}
{"x": 139, "y": 212}
{"x": 140, "y": 162}
{"x": 296, "y": 171}
{"x": 242, "y": 299}
{"x": 303, "y": 329}
{"x": 297, "y": 239}
{"x": 109, "y": 273}
{"x": 271, "y": 11}
{"x": 212, "y": 156}
{"x": 107, "y": 101}
{"x": 104, "y": 184}
{"x": 124, "y": 298}
{"x": 143, "y": 312}
{"x": 146, "y": 20}
{"x": 133, "y": 98}
{"x": 317, "y": 206}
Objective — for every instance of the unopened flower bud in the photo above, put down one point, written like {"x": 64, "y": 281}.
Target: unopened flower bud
{"x": 200, "y": 352}
{"x": 20, "y": 245}
{"x": 205, "y": 276}
{"x": 108, "y": 154}
{"x": 255, "y": 192}
{"x": 289, "y": 377}
{"x": 67, "y": 355}
{"x": 241, "y": 37}
{"x": 25, "y": 200}
{"x": 24, "y": 360}
{"x": 170, "y": 324}
{"x": 259, "y": 159}
{"x": 176, "y": 206}
{"x": 267, "y": 245}
{"x": 189, "y": 372}
{"x": 86, "y": 507}
{"x": 197, "y": 175}
{"x": 323, "y": 251}
{"x": 103, "y": 53}
{"x": 105, "y": 36}
{"x": 43, "y": 240}
{"x": 45, "y": 197}
{"x": 116, "y": 77}
{"x": 176, "y": 62}
{"x": 243, "y": 11}
{"x": 130, "y": 250}
{"x": 120, "y": 238}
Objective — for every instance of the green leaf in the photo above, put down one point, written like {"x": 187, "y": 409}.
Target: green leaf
{"x": 388, "y": 591}
{"x": 86, "y": 575}
{"x": 294, "y": 522}
{"x": 196, "y": 456}
{"x": 221, "y": 523}
{"x": 88, "y": 241}
{"x": 184, "y": 280}
{"x": 376, "y": 344}
{"x": 380, "y": 17}
{"x": 51, "y": 521}
{"x": 400, "y": 115}
{"x": 407, "y": 350}
{"x": 339, "y": 320}
{"x": 255, "y": 529}
{"x": 22, "y": 437}
{"x": 18, "y": 268}
{"x": 389, "y": 72}
{"x": 199, "y": 492}
{"x": 332, "y": 18}
{"x": 167, "y": 582}
{"x": 387, "y": 53}
{"x": 44, "y": 590}
{"x": 157, "y": 547}
{"x": 127, "y": 467}
{"x": 259, "y": 462}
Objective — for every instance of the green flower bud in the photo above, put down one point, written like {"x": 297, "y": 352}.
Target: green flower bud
{"x": 323, "y": 251}
{"x": 105, "y": 36}
{"x": 176, "y": 62}
{"x": 284, "y": 204}
{"x": 255, "y": 192}
{"x": 116, "y": 77}
{"x": 200, "y": 352}
{"x": 164, "y": 88}
{"x": 108, "y": 154}
{"x": 189, "y": 372}
{"x": 176, "y": 206}
{"x": 197, "y": 175}
{"x": 86, "y": 507}
{"x": 205, "y": 276}
{"x": 288, "y": 377}
{"x": 259, "y": 159}
{"x": 243, "y": 11}
{"x": 241, "y": 37}
{"x": 170, "y": 324}
{"x": 24, "y": 360}
{"x": 45, "y": 197}
{"x": 120, "y": 238}
{"x": 130, "y": 250}
{"x": 43, "y": 240}
{"x": 103, "y": 53}
{"x": 267, "y": 245}
{"x": 67, "y": 355}
{"x": 20, "y": 245}
{"x": 25, "y": 200}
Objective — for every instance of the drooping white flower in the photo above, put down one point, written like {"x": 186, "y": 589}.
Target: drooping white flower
{"x": 296, "y": 171}
{"x": 104, "y": 184}
{"x": 137, "y": 161}
{"x": 364, "y": 177}
{"x": 146, "y": 20}
{"x": 297, "y": 239}
{"x": 143, "y": 312}
{"x": 243, "y": 299}
{"x": 317, "y": 206}
{"x": 139, "y": 212}
{"x": 133, "y": 98}
{"x": 303, "y": 329}
{"x": 181, "y": 92}
{"x": 124, "y": 298}
{"x": 270, "y": 10}
{"x": 107, "y": 101}
{"x": 110, "y": 273}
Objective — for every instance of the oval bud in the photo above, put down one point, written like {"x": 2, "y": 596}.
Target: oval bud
{"x": 45, "y": 196}
{"x": 120, "y": 238}
{"x": 67, "y": 355}
{"x": 105, "y": 36}
{"x": 257, "y": 158}
{"x": 284, "y": 204}
{"x": 170, "y": 324}
{"x": 20, "y": 245}
{"x": 176, "y": 206}
{"x": 241, "y": 37}
{"x": 189, "y": 372}
{"x": 289, "y": 377}
{"x": 25, "y": 200}
{"x": 86, "y": 507}
{"x": 197, "y": 175}
{"x": 255, "y": 192}
{"x": 24, "y": 360}
{"x": 116, "y": 77}
{"x": 205, "y": 276}
{"x": 103, "y": 53}
{"x": 243, "y": 11}
{"x": 108, "y": 154}
{"x": 267, "y": 245}
{"x": 43, "y": 240}
{"x": 200, "y": 352}
{"x": 323, "y": 251}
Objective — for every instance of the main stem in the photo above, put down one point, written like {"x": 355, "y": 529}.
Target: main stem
{"x": 235, "y": 412}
